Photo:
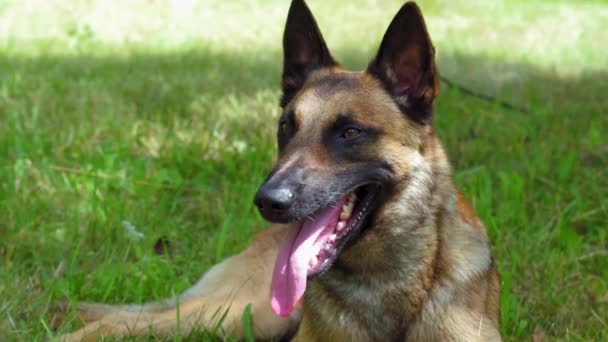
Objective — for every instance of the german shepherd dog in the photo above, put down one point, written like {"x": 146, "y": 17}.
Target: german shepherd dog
{"x": 372, "y": 240}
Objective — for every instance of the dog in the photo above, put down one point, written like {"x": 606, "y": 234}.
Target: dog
{"x": 371, "y": 240}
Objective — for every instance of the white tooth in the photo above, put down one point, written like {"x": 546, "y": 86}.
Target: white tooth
{"x": 332, "y": 238}
{"x": 340, "y": 226}
{"x": 313, "y": 261}
{"x": 344, "y": 215}
{"x": 350, "y": 205}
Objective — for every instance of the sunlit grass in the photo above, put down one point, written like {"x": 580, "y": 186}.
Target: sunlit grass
{"x": 159, "y": 116}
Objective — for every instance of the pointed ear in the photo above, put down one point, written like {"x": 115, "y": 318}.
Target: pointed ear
{"x": 304, "y": 49}
{"x": 405, "y": 64}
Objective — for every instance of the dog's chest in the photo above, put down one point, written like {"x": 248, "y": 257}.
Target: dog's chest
{"x": 345, "y": 310}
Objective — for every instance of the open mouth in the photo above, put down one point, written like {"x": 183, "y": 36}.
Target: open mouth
{"x": 311, "y": 248}
{"x": 352, "y": 214}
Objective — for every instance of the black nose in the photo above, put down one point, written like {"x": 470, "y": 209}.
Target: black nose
{"x": 274, "y": 202}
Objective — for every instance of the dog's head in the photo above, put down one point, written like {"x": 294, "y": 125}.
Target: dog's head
{"x": 346, "y": 138}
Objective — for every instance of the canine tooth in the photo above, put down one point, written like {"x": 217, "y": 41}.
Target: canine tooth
{"x": 332, "y": 238}
{"x": 347, "y": 209}
{"x": 340, "y": 226}
{"x": 349, "y": 204}
{"x": 344, "y": 215}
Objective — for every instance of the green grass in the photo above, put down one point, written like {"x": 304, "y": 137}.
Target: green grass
{"x": 143, "y": 115}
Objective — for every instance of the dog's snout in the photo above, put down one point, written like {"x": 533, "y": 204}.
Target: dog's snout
{"x": 273, "y": 202}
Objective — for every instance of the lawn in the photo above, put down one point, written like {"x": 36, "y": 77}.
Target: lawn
{"x": 128, "y": 125}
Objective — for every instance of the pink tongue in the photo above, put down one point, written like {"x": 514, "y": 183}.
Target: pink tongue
{"x": 299, "y": 245}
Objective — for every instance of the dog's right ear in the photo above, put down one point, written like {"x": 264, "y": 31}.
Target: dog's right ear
{"x": 304, "y": 50}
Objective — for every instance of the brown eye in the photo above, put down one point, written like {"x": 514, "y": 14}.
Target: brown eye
{"x": 350, "y": 133}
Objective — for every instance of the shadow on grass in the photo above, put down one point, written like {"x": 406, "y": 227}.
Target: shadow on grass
{"x": 149, "y": 83}
{"x": 170, "y": 82}
{"x": 200, "y": 85}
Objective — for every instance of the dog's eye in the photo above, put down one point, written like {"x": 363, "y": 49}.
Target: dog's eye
{"x": 350, "y": 132}
{"x": 283, "y": 126}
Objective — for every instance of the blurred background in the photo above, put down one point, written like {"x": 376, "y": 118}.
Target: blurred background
{"x": 133, "y": 135}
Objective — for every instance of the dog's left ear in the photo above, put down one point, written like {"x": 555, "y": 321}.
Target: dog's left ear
{"x": 304, "y": 49}
{"x": 405, "y": 64}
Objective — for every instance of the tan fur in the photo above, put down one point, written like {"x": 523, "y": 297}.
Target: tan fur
{"x": 422, "y": 271}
